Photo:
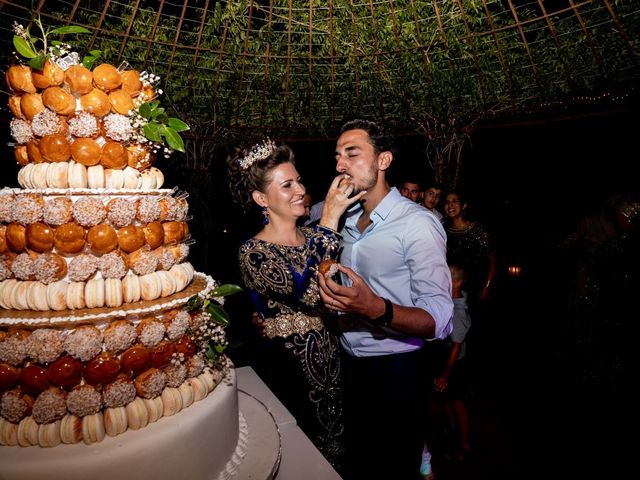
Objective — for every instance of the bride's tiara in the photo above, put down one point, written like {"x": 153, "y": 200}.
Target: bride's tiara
{"x": 259, "y": 151}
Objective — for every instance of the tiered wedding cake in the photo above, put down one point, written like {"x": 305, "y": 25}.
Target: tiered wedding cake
{"x": 96, "y": 342}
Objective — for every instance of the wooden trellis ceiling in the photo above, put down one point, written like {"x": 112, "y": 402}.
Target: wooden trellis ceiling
{"x": 303, "y": 66}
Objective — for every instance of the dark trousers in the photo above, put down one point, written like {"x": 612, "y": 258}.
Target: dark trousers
{"x": 383, "y": 416}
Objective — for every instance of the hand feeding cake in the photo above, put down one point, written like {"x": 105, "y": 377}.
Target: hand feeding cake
{"x": 101, "y": 349}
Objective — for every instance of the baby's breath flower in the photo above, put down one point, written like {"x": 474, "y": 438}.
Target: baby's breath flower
{"x": 19, "y": 30}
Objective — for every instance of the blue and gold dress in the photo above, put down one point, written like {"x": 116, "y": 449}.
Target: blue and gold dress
{"x": 299, "y": 359}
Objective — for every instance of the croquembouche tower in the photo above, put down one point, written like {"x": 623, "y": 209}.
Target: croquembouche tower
{"x": 99, "y": 335}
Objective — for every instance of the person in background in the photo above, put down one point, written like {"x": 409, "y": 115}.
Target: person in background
{"x": 469, "y": 245}
{"x": 411, "y": 189}
{"x": 395, "y": 293}
{"x": 431, "y": 198}
{"x": 299, "y": 355}
{"x": 453, "y": 379}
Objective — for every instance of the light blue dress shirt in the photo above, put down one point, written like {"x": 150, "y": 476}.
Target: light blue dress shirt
{"x": 402, "y": 256}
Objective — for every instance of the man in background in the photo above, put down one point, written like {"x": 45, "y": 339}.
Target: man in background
{"x": 411, "y": 189}
{"x": 431, "y": 198}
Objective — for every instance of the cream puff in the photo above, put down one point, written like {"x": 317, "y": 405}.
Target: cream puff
{"x": 95, "y": 102}
{"x": 130, "y": 238}
{"x": 120, "y": 102}
{"x": 55, "y": 148}
{"x": 113, "y": 155}
{"x": 49, "y": 268}
{"x": 31, "y": 105}
{"x": 86, "y": 151}
{"x": 131, "y": 82}
{"x": 106, "y": 77}
{"x": 69, "y": 239}
{"x": 89, "y": 211}
{"x": 57, "y": 211}
{"x": 59, "y": 100}
{"x": 19, "y": 79}
{"x": 79, "y": 79}
{"x": 121, "y": 212}
{"x": 102, "y": 238}
{"x": 50, "y": 75}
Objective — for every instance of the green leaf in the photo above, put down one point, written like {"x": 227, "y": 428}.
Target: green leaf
{"x": 194, "y": 303}
{"x": 55, "y": 43}
{"x": 156, "y": 112}
{"x": 69, "y": 29}
{"x": 88, "y": 61}
{"x": 177, "y": 124}
{"x": 95, "y": 53}
{"x": 152, "y": 132}
{"x": 38, "y": 62}
{"x": 145, "y": 110}
{"x": 218, "y": 315}
{"x": 154, "y": 105}
{"x": 174, "y": 139}
{"x": 23, "y": 47}
{"x": 211, "y": 353}
{"x": 225, "y": 290}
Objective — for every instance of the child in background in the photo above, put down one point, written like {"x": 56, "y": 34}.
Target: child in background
{"x": 453, "y": 381}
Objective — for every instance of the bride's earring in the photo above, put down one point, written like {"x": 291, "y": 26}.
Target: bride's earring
{"x": 266, "y": 215}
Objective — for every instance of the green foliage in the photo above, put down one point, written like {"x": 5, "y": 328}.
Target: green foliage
{"x": 91, "y": 58}
{"x": 160, "y": 127}
{"x": 284, "y": 67}
{"x": 212, "y": 307}
{"x": 27, "y": 45}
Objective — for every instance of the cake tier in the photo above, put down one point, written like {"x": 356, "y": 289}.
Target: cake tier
{"x": 201, "y": 284}
{"x": 76, "y": 175}
{"x": 95, "y": 293}
{"x": 195, "y": 444}
{"x": 78, "y": 234}
{"x": 93, "y": 428}
{"x": 74, "y": 114}
{"x": 100, "y": 360}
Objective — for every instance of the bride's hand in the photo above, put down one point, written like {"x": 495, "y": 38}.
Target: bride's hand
{"x": 337, "y": 200}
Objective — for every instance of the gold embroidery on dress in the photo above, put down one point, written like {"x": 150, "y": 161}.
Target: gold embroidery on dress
{"x": 288, "y": 324}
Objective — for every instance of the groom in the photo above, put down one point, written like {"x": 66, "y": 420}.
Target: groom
{"x": 395, "y": 293}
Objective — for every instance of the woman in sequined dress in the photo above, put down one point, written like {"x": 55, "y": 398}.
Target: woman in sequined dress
{"x": 469, "y": 245}
{"x": 299, "y": 353}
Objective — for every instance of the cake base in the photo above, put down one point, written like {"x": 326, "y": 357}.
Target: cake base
{"x": 264, "y": 449}
{"x": 229, "y": 435}
{"x": 196, "y": 443}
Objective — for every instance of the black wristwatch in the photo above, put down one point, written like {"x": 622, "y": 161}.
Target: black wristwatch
{"x": 385, "y": 319}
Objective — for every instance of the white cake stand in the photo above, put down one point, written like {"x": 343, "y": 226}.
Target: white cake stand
{"x": 263, "y": 445}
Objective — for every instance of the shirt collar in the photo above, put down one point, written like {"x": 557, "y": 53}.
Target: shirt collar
{"x": 385, "y": 206}
{"x": 382, "y": 210}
